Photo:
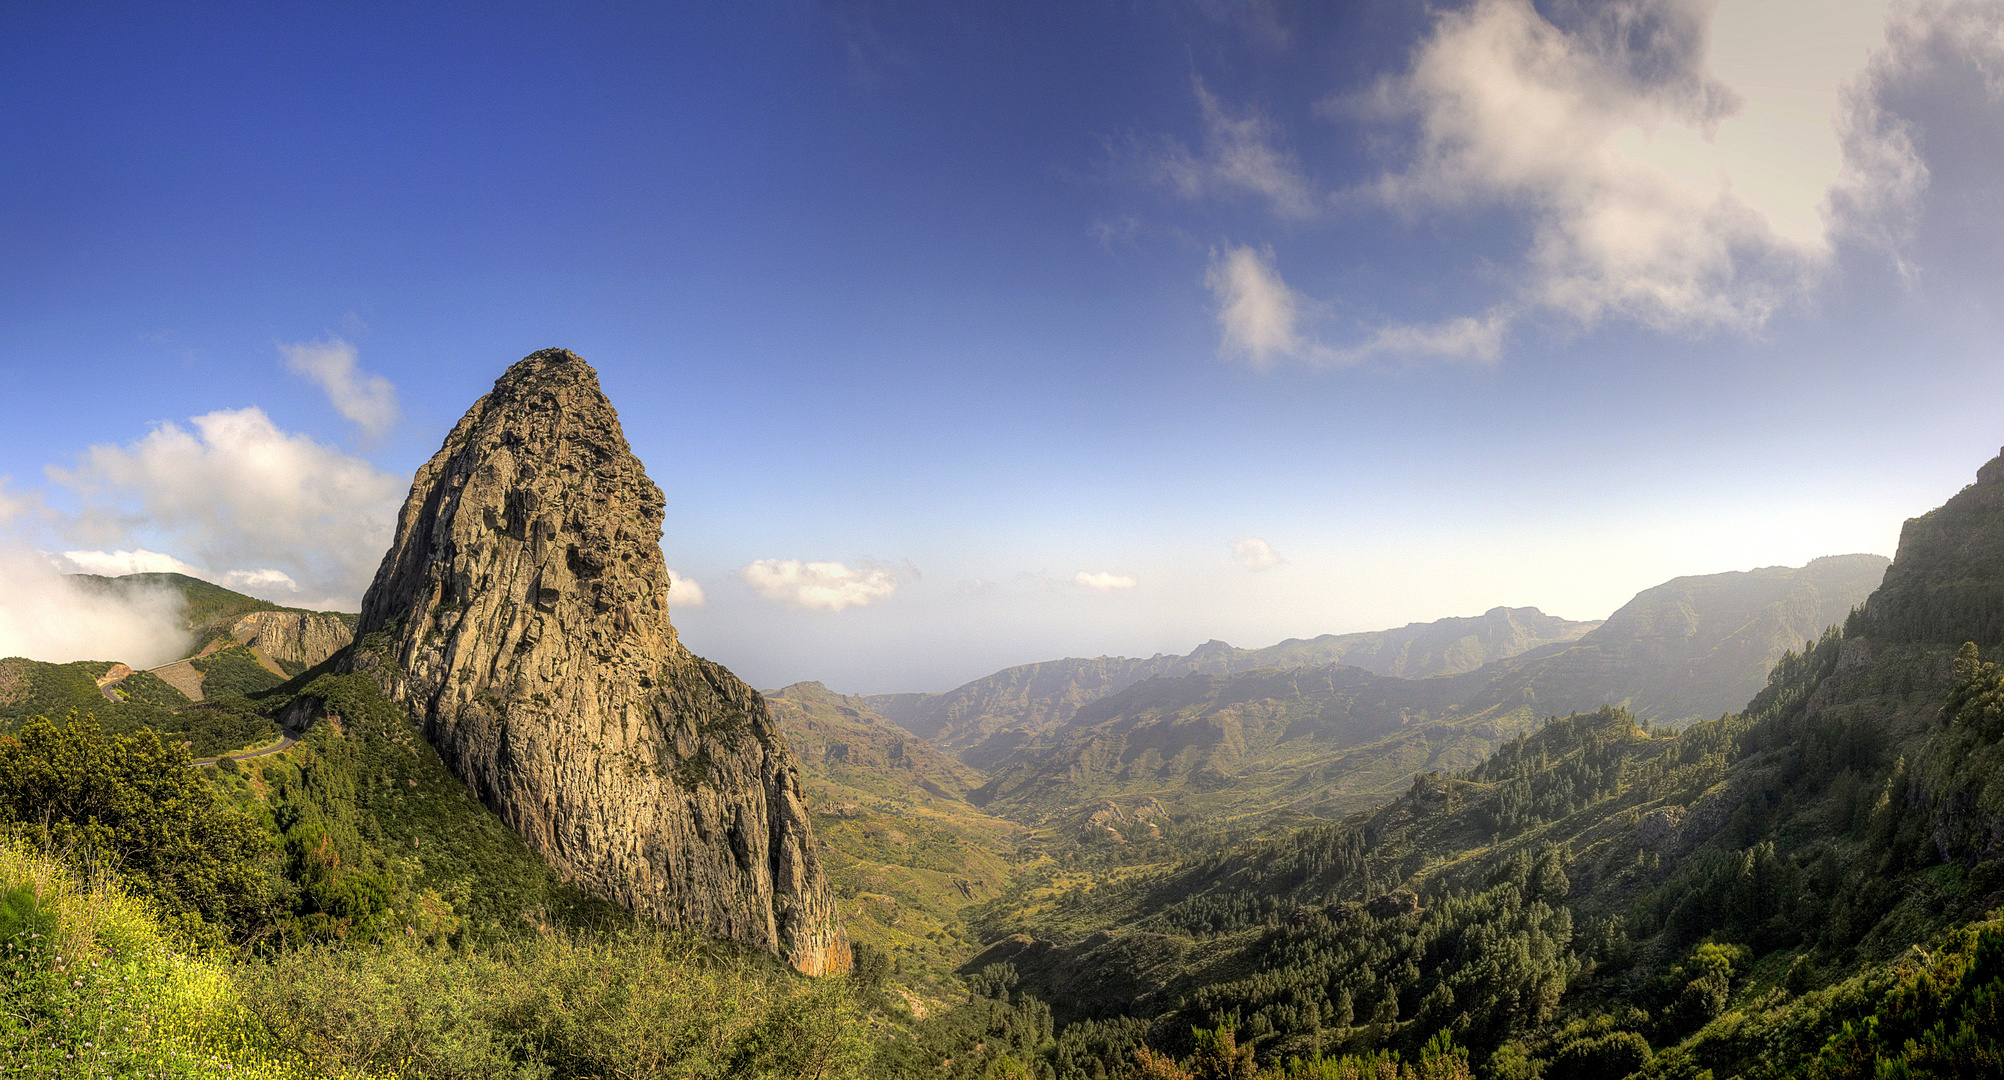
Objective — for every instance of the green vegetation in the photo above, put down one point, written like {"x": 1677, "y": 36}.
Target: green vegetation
{"x": 905, "y": 852}
{"x": 233, "y": 672}
{"x": 131, "y": 803}
{"x": 96, "y": 987}
{"x": 1808, "y": 886}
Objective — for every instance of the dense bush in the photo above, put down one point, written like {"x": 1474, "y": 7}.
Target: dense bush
{"x": 132, "y": 804}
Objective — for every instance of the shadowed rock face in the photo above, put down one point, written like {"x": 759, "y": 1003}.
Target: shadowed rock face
{"x": 522, "y": 618}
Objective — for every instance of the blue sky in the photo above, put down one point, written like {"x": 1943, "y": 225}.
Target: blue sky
{"x": 968, "y": 335}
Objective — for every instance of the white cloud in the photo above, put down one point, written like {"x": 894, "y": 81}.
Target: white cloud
{"x": 1104, "y": 581}
{"x": 1241, "y": 155}
{"x": 46, "y": 616}
{"x": 1676, "y": 165}
{"x": 1259, "y": 315}
{"x": 683, "y": 592}
{"x": 120, "y": 563}
{"x": 265, "y": 580}
{"x": 820, "y": 586}
{"x": 238, "y": 495}
{"x": 369, "y": 401}
{"x": 1255, "y": 553}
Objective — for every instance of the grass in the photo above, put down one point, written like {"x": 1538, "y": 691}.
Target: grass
{"x": 94, "y": 988}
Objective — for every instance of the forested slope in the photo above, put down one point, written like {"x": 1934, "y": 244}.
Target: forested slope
{"x": 1602, "y": 897}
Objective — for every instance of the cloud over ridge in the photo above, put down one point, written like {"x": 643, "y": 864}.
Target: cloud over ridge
{"x": 239, "y": 496}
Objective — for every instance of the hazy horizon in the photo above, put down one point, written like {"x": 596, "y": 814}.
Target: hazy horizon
{"x": 960, "y": 339}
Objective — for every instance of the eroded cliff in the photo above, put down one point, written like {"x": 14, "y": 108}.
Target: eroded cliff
{"x": 521, "y": 615}
{"x": 301, "y": 638}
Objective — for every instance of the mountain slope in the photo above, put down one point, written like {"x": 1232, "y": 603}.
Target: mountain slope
{"x": 1692, "y": 648}
{"x": 905, "y": 851}
{"x": 990, "y": 719}
{"x": 1327, "y": 740}
{"x": 1724, "y": 898}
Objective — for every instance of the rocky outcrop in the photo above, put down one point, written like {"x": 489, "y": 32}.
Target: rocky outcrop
{"x": 1946, "y": 586}
{"x": 521, "y": 615}
{"x": 304, "y": 638}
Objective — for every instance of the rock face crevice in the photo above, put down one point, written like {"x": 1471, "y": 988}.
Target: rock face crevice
{"x": 521, "y": 615}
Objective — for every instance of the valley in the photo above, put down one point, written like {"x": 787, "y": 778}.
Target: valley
{"x": 1720, "y": 832}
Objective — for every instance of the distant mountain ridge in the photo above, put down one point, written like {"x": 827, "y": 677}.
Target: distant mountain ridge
{"x": 988, "y": 720}
{"x": 1692, "y": 648}
{"x": 1330, "y": 737}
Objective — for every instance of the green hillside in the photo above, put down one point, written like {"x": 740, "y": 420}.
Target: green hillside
{"x": 30, "y": 688}
{"x": 1797, "y": 887}
{"x": 904, "y": 849}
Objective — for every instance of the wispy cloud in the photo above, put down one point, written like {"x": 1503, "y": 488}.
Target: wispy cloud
{"x": 1104, "y": 581}
{"x": 1242, "y": 153}
{"x": 15, "y": 504}
{"x": 1259, "y": 20}
{"x": 236, "y": 494}
{"x": 1254, "y": 553}
{"x": 368, "y": 401}
{"x": 821, "y": 586}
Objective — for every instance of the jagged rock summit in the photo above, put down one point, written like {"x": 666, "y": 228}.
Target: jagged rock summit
{"x": 521, "y": 615}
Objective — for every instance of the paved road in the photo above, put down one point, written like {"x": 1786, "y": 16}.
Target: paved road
{"x": 284, "y": 743}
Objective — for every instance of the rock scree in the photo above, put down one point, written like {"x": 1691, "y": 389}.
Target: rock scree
{"x": 521, "y": 616}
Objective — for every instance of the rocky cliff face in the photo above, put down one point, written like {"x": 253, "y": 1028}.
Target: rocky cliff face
{"x": 295, "y": 637}
{"x": 521, "y": 615}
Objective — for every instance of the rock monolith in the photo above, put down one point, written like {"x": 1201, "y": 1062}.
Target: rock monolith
{"x": 521, "y": 616}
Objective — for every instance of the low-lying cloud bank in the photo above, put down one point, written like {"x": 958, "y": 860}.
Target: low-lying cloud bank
{"x": 45, "y": 615}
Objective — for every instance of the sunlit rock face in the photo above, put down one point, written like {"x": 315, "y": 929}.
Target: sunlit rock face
{"x": 299, "y": 637}
{"x": 521, "y": 615}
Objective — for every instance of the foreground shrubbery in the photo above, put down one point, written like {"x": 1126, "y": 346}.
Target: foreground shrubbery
{"x": 635, "y": 1003}
{"x": 94, "y": 987}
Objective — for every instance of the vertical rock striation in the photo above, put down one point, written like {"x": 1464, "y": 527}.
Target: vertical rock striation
{"x": 297, "y": 637}
{"x": 521, "y": 615}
